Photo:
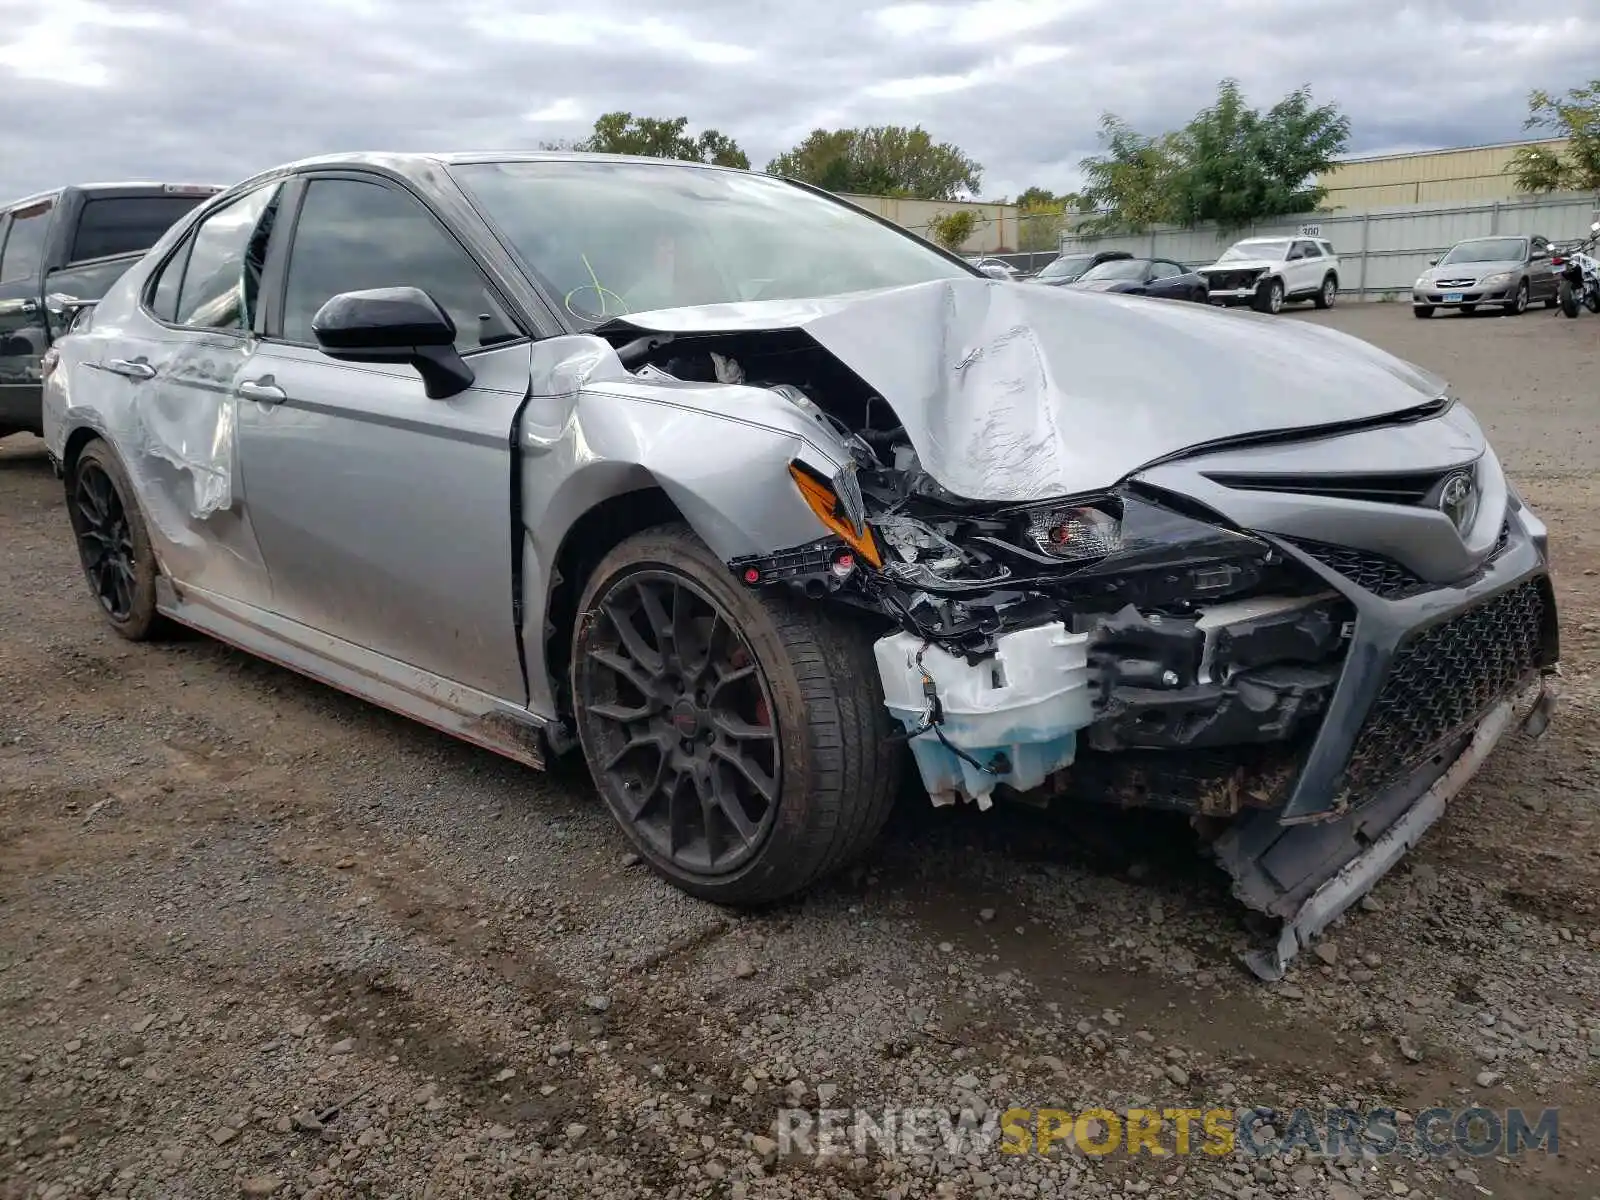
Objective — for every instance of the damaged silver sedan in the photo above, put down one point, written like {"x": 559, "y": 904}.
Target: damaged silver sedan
{"x": 758, "y": 500}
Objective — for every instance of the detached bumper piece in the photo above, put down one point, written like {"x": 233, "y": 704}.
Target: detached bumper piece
{"x": 1277, "y": 868}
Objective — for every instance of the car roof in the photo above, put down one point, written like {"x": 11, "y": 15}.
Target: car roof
{"x": 107, "y": 186}
{"x": 415, "y": 163}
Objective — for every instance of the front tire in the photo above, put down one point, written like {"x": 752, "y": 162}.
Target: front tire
{"x": 1422, "y": 310}
{"x": 1519, "y": 303}
{"x": 1328, "y": 294}
{"x": 1269, "y": 297}
{"x": 739, "y": 739}
{"x": 113, "y": 543}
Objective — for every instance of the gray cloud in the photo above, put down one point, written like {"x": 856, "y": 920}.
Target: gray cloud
{"x": 216, "y": 89}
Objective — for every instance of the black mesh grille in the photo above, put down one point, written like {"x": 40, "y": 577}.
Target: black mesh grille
{"x": 1442, "y": 681}
{"x": 1379, "y": 575}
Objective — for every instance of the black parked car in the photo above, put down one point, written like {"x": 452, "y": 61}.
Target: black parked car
{"x": 1145, "y": 277}
{"x": 1070, "y": 267}
{"x": 60, "y": 250}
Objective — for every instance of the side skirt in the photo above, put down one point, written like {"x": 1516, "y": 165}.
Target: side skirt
{"x": 449, "y": 707}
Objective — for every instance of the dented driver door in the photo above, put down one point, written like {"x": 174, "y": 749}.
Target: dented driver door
{"x": 385, "y": 517}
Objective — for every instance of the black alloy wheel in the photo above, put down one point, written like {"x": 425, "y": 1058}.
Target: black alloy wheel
{"x": 682, "y": 722}
{"x": 105, "y": 540}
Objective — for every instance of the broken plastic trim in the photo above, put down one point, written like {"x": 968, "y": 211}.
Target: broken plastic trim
{"x": 833, "y": 504}
{"x": 1357, "y": 877}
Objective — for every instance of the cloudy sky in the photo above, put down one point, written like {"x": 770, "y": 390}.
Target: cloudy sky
{"x": 215, "y": 89}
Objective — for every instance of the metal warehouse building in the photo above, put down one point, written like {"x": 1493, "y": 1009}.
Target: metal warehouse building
{"x": 1425, "y": 177}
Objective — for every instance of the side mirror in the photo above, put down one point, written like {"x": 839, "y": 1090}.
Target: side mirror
{"x": 1434, "y": 261}
{"x": 388, "y": 325}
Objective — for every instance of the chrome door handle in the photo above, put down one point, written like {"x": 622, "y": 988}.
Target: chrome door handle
{"x": 30, "y": 307}
{"x": 133, "y": 368}
{"x": 263, "y": 391}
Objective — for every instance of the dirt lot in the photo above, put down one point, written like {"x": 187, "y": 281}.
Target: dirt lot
{"x": 232, "y": 900}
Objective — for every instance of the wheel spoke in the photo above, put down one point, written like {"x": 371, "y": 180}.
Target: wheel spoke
{"x": 680, "y": 809}
{"x": 624, "y": 714}
{"x": 726, "y": 677}
{"x": 628, "y": 633}
{"x": 754, "y": 774}
{"x": 741, "y": 730}
{"x": 628, "y": 669}
{"x": 660, "y": 623}
{"x": 705, "y": 790}
{"x": 685, "y": 648}
{"x": 733, "y": 812}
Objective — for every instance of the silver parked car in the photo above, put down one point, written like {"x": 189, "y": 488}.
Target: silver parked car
{"x": 1506, "y": 272}
{"x": 755, "y": 499}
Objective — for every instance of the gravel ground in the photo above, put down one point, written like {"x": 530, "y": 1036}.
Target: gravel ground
{"x": 258, "y": 938}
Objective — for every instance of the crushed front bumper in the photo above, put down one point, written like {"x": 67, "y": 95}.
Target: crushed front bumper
{"x": 1428, "y": 686}
{"x": 1463, "y": 296}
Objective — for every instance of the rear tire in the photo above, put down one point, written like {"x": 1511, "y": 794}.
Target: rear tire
{"x": 741, "y": 739}
{"x": 114, "y": 543}
{"x": 1328, "y": 294}
{"x": 1568, "y": 299}
{"x": 1422, "y": 310}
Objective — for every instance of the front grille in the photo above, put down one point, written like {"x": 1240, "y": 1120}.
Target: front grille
{"x": 1230, "y": 280}
{"x": 1455, "y": 283}
{"x": 1442, "y": 681}
{"x": 1411, "y": 487}
{"x": 1376, "y": 573}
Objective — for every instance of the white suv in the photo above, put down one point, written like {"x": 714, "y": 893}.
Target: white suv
{"x": 1266, "y": 272}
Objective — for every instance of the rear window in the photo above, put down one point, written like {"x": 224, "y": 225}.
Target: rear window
{"x": 123, "y": 224}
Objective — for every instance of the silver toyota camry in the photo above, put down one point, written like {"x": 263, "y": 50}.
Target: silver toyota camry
{"x": 757, "y": 501}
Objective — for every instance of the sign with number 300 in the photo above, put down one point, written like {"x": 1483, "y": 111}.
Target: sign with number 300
{"x": 1311, "y": 231}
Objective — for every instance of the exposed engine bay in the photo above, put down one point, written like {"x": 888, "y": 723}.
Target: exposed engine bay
{"x": 1179, "y": 633}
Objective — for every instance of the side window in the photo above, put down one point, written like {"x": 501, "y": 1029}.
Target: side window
{"x": 163, "y": 294}
{"x": 352, "y": 235}
{"x": 224, "y": 257}
{"x": 1308, "y": 249}
{"x": 1161, "y": 269}
{"x": 24, "y": 250}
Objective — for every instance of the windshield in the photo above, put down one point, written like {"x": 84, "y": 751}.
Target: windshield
{"x": 1273, "y": 249}
{"x": 1068, "y": 266}
{"x": 1487, "y": 250}
{"x": 613, "y": 238}
{"x": 1116, "y": 268}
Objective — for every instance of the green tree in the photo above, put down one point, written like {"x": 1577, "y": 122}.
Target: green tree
{"x": 881, "y": 160}
{"x": 1131, "y": 183}
{"x": 952, "y": 229}
{"x": 1574, "y": 166}
{"x": 1042, "y": 217}
{"x": 658, "y": 137}
{"x": 1231, "y": 164}
{"x": 1241, "y": 165}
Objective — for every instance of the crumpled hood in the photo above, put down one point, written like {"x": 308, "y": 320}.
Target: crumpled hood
{"x": 1470, "y": 270}
{"x": 1011, "y": 394}
{"x": 1242, "y": 264}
